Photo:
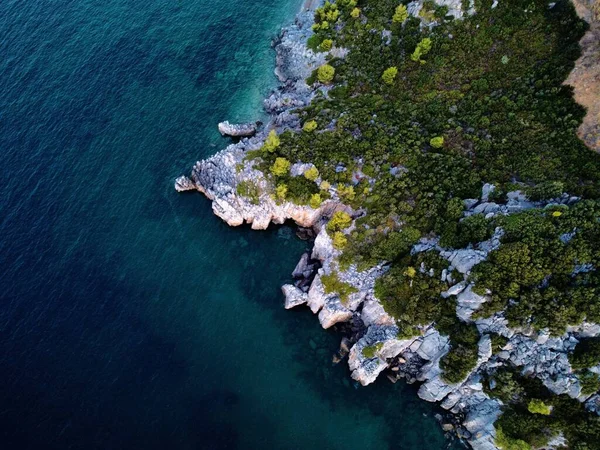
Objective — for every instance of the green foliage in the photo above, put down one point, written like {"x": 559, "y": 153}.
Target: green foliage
{"x": 311, "y": 174}
{"x": 389, "y": 75}
{"x": 325, "y": 73}
{"x": 355, "y": 14}
{"x": 371, "y": 350}
{"x": 505, "y": 443}
{"x": 332, "y": 284}
{"x": 326, "y": 45}
{"x": 281, "y": 191}
{"x": 421, "y": 50}
{"x": 280, "y": 167}
{"x": 339, "y": 240}
{"x": 339, "y": 221}
{"x": 309, "y": 126}
{"x": 315, "y": 201}
{"x": 546, "y": 190}
{"x": 400, "y": 15}
{"x": 249, "y": 190}
{"x": 586, "y": 353}
{"x": 272, "y": 142}
{"x": 590, "y": 382}
{"x": 537, "y": 406}
{"x": 437, "y": 142}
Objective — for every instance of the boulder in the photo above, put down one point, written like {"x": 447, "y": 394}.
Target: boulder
{"x": 293, "y": 296}
{"x": 237, "y": 130}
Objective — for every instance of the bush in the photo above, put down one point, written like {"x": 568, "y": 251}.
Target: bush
{"x": 272, "y": 142}
{"x": 281, "y": 191}
{"x": 325, "y": 73}
{"x": 315, "y": 201}
{"x": 280, "y": 167}
{"x": 537, "y": 406}
{"x": 326, "y": 45}
{"x": 339, "y": 240}
{"x": 355, "y": 14}
{"x": 311, "y": 174}
{"x": 586, "y": 354}
{"x": 332, "y": 284}
{"x": 370, "y": 351}
{"x": 421, "y": 50}
{"x": 590, "y": 382}
{"x": 309, "y": 126}
{"x": 389, "y": 75}
{"x": 505, "y": 443}
{"x": 437, "y": 142}
{"x": 339, "y": 221}
{"x": 250, "y": 190}
{"x": 400, "y": 15}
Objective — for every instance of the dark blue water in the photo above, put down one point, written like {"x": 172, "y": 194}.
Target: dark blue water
{"x": 130, "y": 317}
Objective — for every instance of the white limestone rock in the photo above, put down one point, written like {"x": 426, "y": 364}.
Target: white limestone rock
{"x": 293, "y": 296}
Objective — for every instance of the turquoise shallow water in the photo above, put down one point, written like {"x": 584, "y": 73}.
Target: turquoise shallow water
{"x": 131, "y": 317}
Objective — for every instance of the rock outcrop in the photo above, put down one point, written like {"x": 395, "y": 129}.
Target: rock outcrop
{"x": 237, "y": 130}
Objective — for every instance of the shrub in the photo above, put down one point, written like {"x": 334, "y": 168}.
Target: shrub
{"x": 586, "y": 354}
{"x": 339, "y": 221}
{"x": 355, "y": 14}
{"x": 311, "y": 174}
{"x": 250, "y": 190}
{"x": 437, "y": 142}
{"x": 371, "y": 350}
{"x": 281, "y": 191}
{"x": 315, "y": 201}
{"x": 325, "y": 185}
{"x": 333, "y": 284}
{"x": 346, "y": 193}
{"x": 421, "y": 50}
{"x": 326, "y": 45}
{"x": 590, "y": 382}
{"x": 272, "y": 142}
{"x": 280, "y": 167}
{"x": 505, "y": 443}
{"x": 309, "y": 126}
{"x": 389, "y": 75}
{"x": 537, "y": 406}
{"x": 325, "y": 73}
{"x": 339, "y": 240}
{"x": 400, "y": 15}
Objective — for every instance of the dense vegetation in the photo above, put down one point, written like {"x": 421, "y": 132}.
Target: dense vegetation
{"x": 413, "y": 121}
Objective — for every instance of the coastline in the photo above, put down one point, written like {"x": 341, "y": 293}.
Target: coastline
{"x": 362, "y": 317}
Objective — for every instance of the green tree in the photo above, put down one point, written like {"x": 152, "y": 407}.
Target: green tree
{"x": 437, "y": 142}
{"x": 311, "y": 174}
{"x": 325, "y": 73}
{"x": 389, "y": 75}
{"x": 326, "y": 45}
{"x": 355, "y": 14}
{"x": 281, "y": 191}
{"x": 272, "y": 142}
{"x": 315, "y": 201}
{"x": 339, "y": 221}
{"x": 339, "y": 240}
{"x": 537, "y": 406}
{"x": 280, "y": 167}
{"x": 309, "y": 126}
{"x": 400, "y": 15}
{"x": 421, "y": 50}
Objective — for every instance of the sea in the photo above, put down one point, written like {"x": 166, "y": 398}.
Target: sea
{"x": 130, "y": 316}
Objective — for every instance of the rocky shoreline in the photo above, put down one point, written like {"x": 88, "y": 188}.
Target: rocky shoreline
{"x": 369, "y": 328}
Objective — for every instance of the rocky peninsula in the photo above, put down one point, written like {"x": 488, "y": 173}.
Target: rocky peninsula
{"x": 344, "y": 293}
